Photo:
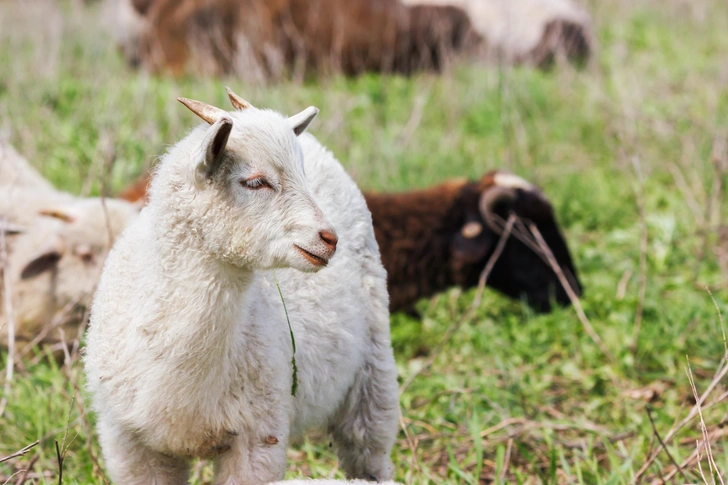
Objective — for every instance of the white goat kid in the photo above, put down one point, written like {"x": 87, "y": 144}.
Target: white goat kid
{"x": 189, "y": 352}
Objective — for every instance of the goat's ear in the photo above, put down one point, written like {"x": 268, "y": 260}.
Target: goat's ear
{"x": 214, "y": 145}
{"x": 45, "y": 260}
{"x": 300, "y": 122}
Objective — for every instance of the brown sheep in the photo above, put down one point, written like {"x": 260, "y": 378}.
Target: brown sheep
{"x": 264, "y": 39}
{"x": 437, "y": 238}
{"x": 443, "y": 236}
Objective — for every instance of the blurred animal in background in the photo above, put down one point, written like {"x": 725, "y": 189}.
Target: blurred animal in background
{"x": 532, "y": 32}
{"x": 56, "y": 246}
{"x": 23, "y": 191}
{"x": 441, "y": 237}
{"x": 434, "y": 239}
{"x": 262, "y": 40}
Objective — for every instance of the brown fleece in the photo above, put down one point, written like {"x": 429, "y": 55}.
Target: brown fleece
{"x": 348, "y": 35}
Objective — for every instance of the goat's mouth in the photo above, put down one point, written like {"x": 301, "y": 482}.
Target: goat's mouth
{"x": 311, "y": 257}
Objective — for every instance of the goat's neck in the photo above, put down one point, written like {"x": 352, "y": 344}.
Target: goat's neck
{"x": 207, "y": 296}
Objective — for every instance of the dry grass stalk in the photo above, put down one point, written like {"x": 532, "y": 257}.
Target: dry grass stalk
{"x": 699, "y": 403}
{"x": 570, "y": 293}
{"x": 415, "y": 118}
{"x": 63, "y": 317}
{"x": 704, "y": 431}
{"x": 12, "y": 476}
{"x": 9, "y": 321}
{"x": 718, "y": 433}
{"x": 687, "y": 192}
{"x": 506, "y": 461}
{"x": 662, "y": 444}
{"x": 20, "y": 452}
{"x": 644, "y": 241}
{"x": 411, "y": 444}
{"x": 24, "y": 476}
{"x": 473, "y": 307}
{"x": 720, "y": 319}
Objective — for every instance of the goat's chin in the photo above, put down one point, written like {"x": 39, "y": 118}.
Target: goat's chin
{"x": 306, "y": 261}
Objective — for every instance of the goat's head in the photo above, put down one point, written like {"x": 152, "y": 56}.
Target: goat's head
{"x": 521, "y": 271}
{"x": 250, "y": 205}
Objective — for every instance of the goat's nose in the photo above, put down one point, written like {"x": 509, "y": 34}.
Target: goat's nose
{"x": 329, "y": 238}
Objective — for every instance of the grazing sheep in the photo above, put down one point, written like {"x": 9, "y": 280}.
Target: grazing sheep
{"x": 527, "y": 31}
{"x": 356, "y": 36}
{"x": 440, "y": 237}
{"x": 266, "y": 39}
{"x": 189, "y": 351}
{"x": 55, "y": 264}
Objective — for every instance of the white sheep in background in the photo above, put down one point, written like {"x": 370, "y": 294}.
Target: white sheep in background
{"x": 189, "y": 351}
{"x": 528, "y": 31}
{"x": 16, "y": 172}
{"x": 56, "y": 243}
{"x": 55, "y": 264}
{"x": 23, "y": 191}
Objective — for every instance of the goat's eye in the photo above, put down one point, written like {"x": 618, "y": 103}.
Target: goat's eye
{"x": 255, "y": 183}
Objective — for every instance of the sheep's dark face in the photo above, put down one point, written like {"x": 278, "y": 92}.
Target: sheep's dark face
{"x": 520, "y": 272}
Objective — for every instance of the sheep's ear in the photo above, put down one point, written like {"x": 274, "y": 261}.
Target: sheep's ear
{"x": 214, "y": 145}
{"x": 472, "y": 243}
{"x": 300, "y": 122}
{"x": 45, "y": 260}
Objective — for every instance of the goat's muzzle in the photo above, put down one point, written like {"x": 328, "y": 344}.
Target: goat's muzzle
{"x": 314, "y": 259}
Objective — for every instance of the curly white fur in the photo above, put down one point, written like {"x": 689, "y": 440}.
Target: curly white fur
{"x": 189, "y": 353}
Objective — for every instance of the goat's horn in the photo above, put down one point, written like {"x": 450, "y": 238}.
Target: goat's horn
{"x": 203, "y": 110}
{"x": 491, "y": 197}
{"x": 237, "y": 102}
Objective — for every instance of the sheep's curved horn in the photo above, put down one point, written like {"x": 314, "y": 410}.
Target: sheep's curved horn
{"x": 208, "y": 113}
{"x": 489, "y": 199}
{"x": 237, "y": 102}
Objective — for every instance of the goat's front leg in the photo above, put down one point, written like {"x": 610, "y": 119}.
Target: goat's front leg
{"x": 365, "y": 427}
{"x": 254, "y": 459}
{"x": 132, "y": 463}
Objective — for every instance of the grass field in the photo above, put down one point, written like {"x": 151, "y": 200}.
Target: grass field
{"x": 632, "y": 150}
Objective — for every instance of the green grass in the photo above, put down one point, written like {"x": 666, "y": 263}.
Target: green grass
{"x": 526, "y": 397}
